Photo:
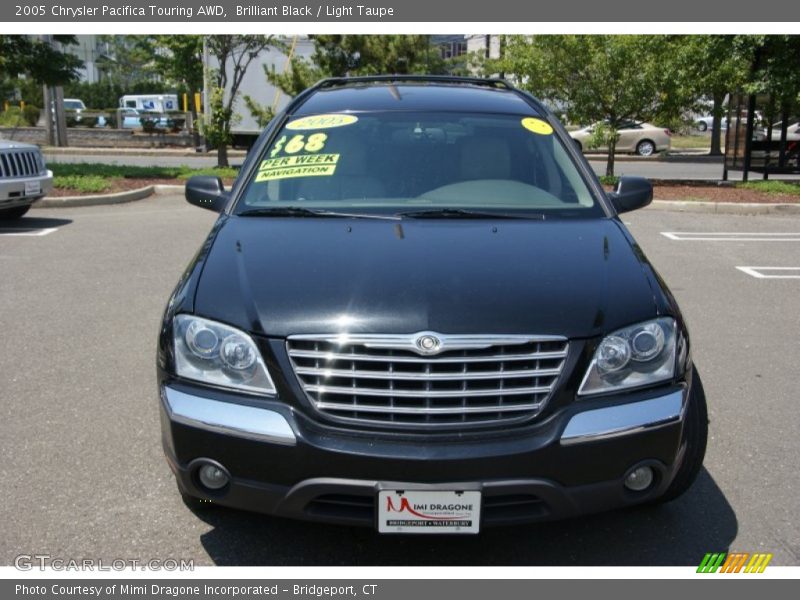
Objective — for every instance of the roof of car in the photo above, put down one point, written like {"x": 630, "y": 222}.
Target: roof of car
{"x": 452, "y": 94}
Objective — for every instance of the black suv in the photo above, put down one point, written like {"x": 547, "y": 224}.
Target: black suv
{"x": 420, "y": 311}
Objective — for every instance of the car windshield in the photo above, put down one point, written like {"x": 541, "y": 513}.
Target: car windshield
{"x": 410, "y": 162}
{"x": 73, "y": 104}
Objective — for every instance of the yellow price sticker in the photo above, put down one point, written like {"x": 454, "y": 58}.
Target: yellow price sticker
{"x": 321, "y": 122}
{"x": 537, "y": 126}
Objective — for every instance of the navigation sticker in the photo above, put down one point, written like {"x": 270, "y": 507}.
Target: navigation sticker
{"x": 321, "y": 122}
{"x": 537, "y": 126}
{"x": 305, "y": 165}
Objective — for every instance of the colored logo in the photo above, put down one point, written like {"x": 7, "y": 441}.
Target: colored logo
{"x": 734, "y": 562}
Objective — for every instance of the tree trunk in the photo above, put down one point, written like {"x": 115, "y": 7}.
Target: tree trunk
{"x": 716, "y": 125}
{"x": 612, "y": 148}
{"x": 222, "y": 155}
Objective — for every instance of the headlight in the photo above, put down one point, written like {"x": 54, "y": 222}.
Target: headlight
{"x": 218, "y": 354}
{"x": 636, "y": 356}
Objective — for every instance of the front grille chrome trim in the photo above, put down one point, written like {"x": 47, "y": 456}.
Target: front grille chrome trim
{"x": 394, "y": 381}
{"x": 412, "y": 359}
{"x": 330, "y": 389}
{"x": 406, "y": 376}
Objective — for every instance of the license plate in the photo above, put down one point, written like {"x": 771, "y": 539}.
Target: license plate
{"x": 427, "y": 511}
{"x": 33, "y": 188}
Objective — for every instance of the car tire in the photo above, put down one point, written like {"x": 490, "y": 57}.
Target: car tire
{"x": 13, "y": 213}
{"x": 696, "y": 436}
{"x": 646, "y": 148}
{"x": 702, "y": 126}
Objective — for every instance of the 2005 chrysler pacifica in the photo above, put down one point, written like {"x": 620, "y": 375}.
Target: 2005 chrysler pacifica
{"x": 419, "y": 311}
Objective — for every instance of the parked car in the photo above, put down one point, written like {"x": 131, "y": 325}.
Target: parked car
{"x": 792, "y": 131}
{"x": 707, "y": 122}
{"x": 24, "y": 178}
{"x": 419, "y": 311}
{"x": 635, "y": 137}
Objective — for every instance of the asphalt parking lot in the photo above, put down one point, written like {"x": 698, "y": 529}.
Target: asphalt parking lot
{"x": 81, "y": 295}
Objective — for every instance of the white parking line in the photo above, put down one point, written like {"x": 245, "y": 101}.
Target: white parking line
{"x": 26, "y": 231}
{"x": 732, "y": 236}
{"x": 766, "y": 272}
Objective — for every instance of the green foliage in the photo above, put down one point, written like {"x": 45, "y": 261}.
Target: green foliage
{"x": 85, "y": 184}
{"x": 38, "y": 60}
{"x": 107, "y": 171}
{"x": 774, "y": 187}
{"x": 341, "y": 55}
{"x": 601, "y": 78}
{"x": 217, "y": 129}
{"x": 609, "y": 179}
{"x": 12, "y": 117}
{"x": 31, "y": 114}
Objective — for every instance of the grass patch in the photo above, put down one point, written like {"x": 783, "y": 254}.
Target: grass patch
{"x": 691, "y": 141}
{"x": 85, "y": 184}
{"x": 609, "y": 179}
{"x": 772, "y": 187}
{"x": 104, "y": 171}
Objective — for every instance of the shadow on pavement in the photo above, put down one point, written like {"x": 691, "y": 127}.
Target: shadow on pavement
{"x": 678, "y": 533}
{"x": 31, "y": 225}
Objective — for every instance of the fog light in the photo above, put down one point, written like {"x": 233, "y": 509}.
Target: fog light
{"x": 212, "y": 477}
{"x": 639, "y": 479}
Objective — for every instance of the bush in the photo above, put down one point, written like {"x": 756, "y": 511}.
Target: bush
{"x": 111, "y": 118}
{"x": 12, "y": 117}
{"x": 31, "y": 114}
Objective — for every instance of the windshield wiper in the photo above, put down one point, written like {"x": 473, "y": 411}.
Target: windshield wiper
{"x": 461, "y": 213}
{"x": 298, "y": 211}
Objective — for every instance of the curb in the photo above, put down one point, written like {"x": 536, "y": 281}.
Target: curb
{"x": 107, "y": 199}
{"x": 725, "y": 208}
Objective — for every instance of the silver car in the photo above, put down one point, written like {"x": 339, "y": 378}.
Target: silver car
{"x": 24, "y": 178}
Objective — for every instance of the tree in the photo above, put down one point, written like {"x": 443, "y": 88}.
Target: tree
{"x": 37, "y": 59}
{"x": 233, "y": 53}
{"x": 716, "y": 66}
{"x": 179, "y": 59}
{"x": 601, "y": 79}
{"x": 128, "y": 61}
{"x": 342, "y": 55}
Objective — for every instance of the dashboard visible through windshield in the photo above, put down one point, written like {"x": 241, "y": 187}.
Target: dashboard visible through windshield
{"x": 399, "y": 161}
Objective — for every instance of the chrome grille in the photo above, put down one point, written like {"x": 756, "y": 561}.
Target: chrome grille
{"x": 19, "y": 163}
{"x": 390, "y": 380}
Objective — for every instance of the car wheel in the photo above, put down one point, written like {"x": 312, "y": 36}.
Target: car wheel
{"x": 645, "y": 148}
{"x": 702, "y": 126}
{"x": 696, "y": 436}
{"x": 13, "y": 213}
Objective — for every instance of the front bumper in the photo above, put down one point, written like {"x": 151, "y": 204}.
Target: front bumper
{"x": 21, "y": 191}
{"x": 280, "y": 462}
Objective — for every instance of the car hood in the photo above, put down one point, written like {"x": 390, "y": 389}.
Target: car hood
{"x": 283, "y": 276}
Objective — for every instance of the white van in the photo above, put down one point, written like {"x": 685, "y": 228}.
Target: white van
{"x": 150, "y": 102}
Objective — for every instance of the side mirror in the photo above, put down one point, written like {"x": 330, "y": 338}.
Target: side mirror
{"x": 631, "y": 193}
{"x": 207, "y": 192}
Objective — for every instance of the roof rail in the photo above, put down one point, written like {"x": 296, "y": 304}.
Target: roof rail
{"x": 485, "y": 81}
